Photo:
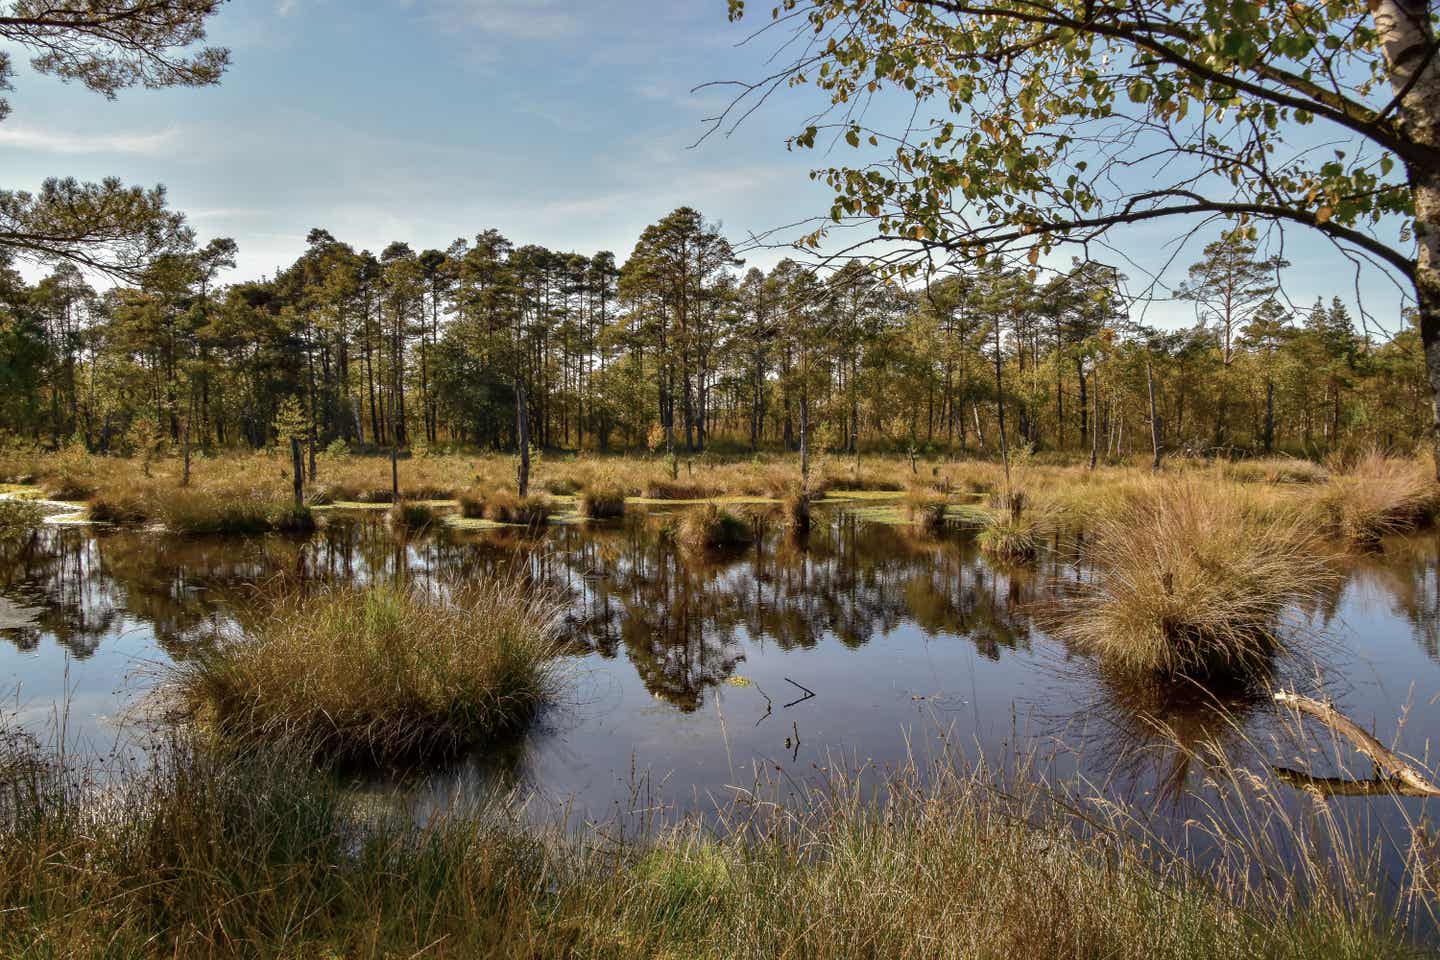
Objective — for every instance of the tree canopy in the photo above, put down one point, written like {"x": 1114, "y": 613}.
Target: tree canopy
{"x": 1034, "y": 124}
{"x": 108, "y": 45}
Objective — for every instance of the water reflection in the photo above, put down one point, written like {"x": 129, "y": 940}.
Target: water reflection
{"x": 890, "y": 628}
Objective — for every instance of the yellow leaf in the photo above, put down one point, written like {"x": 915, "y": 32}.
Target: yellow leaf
{"x": 738, "y": 681}
{"x": 1034, "y": 254}
{"x": 1323, "y": 214}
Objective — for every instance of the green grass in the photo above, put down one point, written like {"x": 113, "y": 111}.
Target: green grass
{"x": 380, "y": 674}
{"x": 209, "y": 854}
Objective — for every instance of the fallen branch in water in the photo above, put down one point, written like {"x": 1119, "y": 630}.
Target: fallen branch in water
{"x": 1399, "y": 776}
{"x": 1345, "y": 787}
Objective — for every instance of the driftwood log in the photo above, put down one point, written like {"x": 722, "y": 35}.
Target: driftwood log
{"x": 1394, "y": 774}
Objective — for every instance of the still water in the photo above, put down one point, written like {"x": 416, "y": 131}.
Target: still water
{"x": 690, "y": 677}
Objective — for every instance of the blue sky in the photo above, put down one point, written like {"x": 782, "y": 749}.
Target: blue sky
{"x": 561, "y": 122}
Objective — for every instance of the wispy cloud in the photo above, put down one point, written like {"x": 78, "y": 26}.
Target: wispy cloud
{"x": 61, "y": 141}
{"x": 523, "y": 19}
{"x": 286, "y": 7}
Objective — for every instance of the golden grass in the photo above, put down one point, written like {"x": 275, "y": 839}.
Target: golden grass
{"x": 927, "y": 510}
{"x": 601, "y": 502}
{"x": 412, "y": 516}
{"x": 1376, "y": 496}
{"x": 1359, "y": 503}
{"x": 379, "y": 673}
{"x": 1188, "y": 582}
{"x": 216, "y": 855}
{"x": 1274, "y": 470}
{"x": 504, "y": 507}
{"x": 710, "y": 527}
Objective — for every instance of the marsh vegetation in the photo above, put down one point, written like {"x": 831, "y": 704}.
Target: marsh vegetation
{"x": 431, "y": 649}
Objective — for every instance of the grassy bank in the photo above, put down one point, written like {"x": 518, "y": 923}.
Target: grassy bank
{"x": 18, "y": 519}
{"x": 378, "y": 673}
{"x": 249, "y": 855}
{"x": 1355, "y": 502}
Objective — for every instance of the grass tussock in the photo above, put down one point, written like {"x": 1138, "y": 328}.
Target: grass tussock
{"x": 211, "y": 854}
{"x": 1011, "y": 537}
{"x": 661, "y": 488}
{"x": 795, "y": 509}
{"x": 204, "y": 510}
{"x": 602, "y": 502}
{"x": 1014, "y": 527}
{"x": 412, "y": 516}
{"x": 380, "y": 674}
{"x": 505, "y": 507}
{"x": 1377, "y": 496}
{"x": 927, "y": 509}
{"x": 1274, "y": 470}
{"x": 1190, "y": 582}
{"x": 567, "y": 486}
{"x": 712, "y": 528}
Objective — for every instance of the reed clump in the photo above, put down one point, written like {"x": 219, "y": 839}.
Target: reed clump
{"x": 1014, "y": 527}
{"x": 209, "y": 510}
{"x": 1274, "y": 470}
{"x": 1190, "y": 582}
{"x": 602, "y": 501}
{"x": 504, "y": 507}
{"x": 927, "y": 510}
{"x": 119, "y": 507}
{"x": 795, "y": 509}
{"x": 220, "y": 511}
{"x": 412, "y": 516}
{"x": 658, "y": 488}
{"x": 380, "y": 674}
{"x": 1377, "y": 496}
{"x": 711, "y": 527}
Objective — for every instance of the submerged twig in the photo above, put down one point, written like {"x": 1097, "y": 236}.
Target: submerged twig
{"x": 809, "y": 694}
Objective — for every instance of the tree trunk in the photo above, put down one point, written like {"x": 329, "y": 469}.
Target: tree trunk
{"x": 1154, "y": 417}
{"x": 522, "y": 439}
{"x": 298, "y": 472}
{"x": 1000, "y": 413}
{"x": 1095, "y": 422}
{"x": 804, "y": 442}
{"x": 1406, "y": 37}
{"x": 1269, "y": 415}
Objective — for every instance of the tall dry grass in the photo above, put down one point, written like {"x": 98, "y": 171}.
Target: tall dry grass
{"x": 712, "y": 527}
{"x": 1188, "y": 581}
{"x": 241, "y": 855}
{"x": 1375, "y": 496}
{"x": 380, "y": 673}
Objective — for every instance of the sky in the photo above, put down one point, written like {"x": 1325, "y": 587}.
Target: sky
{"x": 567, "y": 123}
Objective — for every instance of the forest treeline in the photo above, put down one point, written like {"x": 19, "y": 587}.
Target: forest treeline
{"x": 681, "y": 346}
